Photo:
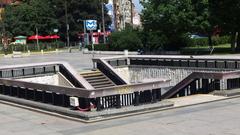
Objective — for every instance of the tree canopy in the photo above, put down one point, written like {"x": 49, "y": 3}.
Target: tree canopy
{"x": 172, "y": 20}
{"x": 23, "y": 19}
{"x": 46, "y": 15}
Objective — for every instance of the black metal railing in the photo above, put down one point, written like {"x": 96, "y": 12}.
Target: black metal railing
{"x": 70, "y": 77}
{"x": 110, "y": 74}
{"x": 27, "y": 71}
{"x": 187, "y": 62}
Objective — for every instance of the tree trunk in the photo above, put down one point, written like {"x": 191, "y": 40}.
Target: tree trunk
{"x": 233, "y": 41}
{"x": 209, "y": 40}
{"x": 238, "y": 42}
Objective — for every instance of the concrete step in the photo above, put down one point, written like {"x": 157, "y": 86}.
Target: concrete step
{"x": 97, "y": 79}
{"x": 100, "y": 83}
{"x": 104, "y": 86}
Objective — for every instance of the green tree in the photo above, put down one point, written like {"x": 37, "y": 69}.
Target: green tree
{"x": 172, "y": 20}
{"x": 202, "y": 22}
{"x": 77, "y": 11}
{"x": 126, "y": 39}
{"x": 225, "y": 14}
{"x": 23, "y": 19}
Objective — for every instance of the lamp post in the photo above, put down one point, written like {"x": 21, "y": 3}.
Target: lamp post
{"x": 56, "y": 31}
{"x": 103, "y": 23}
{"x": 84, "y": 29}
{"x": 66, "y": 21}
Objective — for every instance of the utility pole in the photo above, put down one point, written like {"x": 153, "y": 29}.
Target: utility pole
{"x": 103, "y": 23}
{"x": 67, "y": 25}
{"x": 37, "y": 38}
{"x": 3, "y": 38}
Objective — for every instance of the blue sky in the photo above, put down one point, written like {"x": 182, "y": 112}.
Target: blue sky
{"x": 138, "y": 5}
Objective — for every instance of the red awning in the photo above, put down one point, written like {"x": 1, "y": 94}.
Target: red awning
{"x": 47, "y": 37}
{"x": 35, "y": 37}
{"x": 54, "y": 37}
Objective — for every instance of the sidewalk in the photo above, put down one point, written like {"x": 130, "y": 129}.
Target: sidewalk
{"x": 194, "y": 99}
{"x": 12, "y": 55}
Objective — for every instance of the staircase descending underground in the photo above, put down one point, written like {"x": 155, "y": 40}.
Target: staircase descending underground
{"x": 97, "y": 79}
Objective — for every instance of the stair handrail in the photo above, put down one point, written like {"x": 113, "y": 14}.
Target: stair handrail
{"x": 111, "y": 70}
{"x": 196, "y": 75}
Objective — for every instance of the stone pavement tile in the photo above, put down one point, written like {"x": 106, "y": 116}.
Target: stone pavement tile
{"x": 194, "y": 99}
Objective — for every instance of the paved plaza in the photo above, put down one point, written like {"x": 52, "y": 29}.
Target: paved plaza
{"x": 216, "y": 118}
{"x": 76, "y": 59}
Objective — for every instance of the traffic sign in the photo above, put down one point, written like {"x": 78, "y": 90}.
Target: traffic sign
{"x": 91, "y": 24}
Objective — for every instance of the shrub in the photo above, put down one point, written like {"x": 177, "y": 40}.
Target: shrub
{"x": 99, "y": 47}
{"x": 204, "y": 41}
{"x": 33, "y": 46}
{"x": 126, "y": 39}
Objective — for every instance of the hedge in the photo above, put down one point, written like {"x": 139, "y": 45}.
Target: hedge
{"x": 33, "y": 46}
{"x": 99, "y": 47}
{"x": 215, "y": 41}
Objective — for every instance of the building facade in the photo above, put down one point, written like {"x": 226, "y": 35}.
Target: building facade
{"x": 123, "y": 13}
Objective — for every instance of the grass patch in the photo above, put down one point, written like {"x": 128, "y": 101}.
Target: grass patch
{"x": 200, "y": 50}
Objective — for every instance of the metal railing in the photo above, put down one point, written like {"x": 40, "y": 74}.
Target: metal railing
{"x": 200, "y": 75}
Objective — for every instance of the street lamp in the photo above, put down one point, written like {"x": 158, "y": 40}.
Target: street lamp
{"x": 66, "y": 21}
{"x": 103, "y": 22}
{"x": 84, "y": 29}
{"x": 56, "y": 31}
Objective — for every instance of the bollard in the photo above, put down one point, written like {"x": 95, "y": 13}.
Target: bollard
{"x": 125, "y": 52}
{"x": 29, "y": 52}
{"x": 56, "y": 50}
{"x": 70, "y": 50}
{"x": 42, "y": 52}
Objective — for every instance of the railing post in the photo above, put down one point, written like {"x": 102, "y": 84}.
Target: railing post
{"x": 12, "y": 73}
{"x": 63, "y": 100}
{"x": 43, "y": 96}
{"x": 193, "y": 88}
{"x": 118, "y": 100}
{"x": 98, "y": 104}
{"x": 35, "y": 95}
{"x": 18, "y": 92}
{"x": 154, "y": 96}
{"x": 54, "y": 98}
{"x": 1, "y": 74}
{"x": 136, "y": 103}
{"x": 23, "y": 72}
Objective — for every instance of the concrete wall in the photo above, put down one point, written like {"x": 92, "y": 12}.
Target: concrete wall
{"x": 56, "y": 79}
{"x": 124, "y": 73}
{"x": 50, "y": 79}
{"x": 146, "y": 74}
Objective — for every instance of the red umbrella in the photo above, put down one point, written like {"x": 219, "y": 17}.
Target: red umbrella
{"x": 48, "y": 37}
{"x": 35, "y": 37}
{"x": 55, "y": 37}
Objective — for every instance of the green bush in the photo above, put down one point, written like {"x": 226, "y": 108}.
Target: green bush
{"x": 204, "y": 51}
{"x": 204, "y": 41}
{"x": 126, "y": 39}
{"x": 33, "y": 46}
{"x": 99, "y": 47}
